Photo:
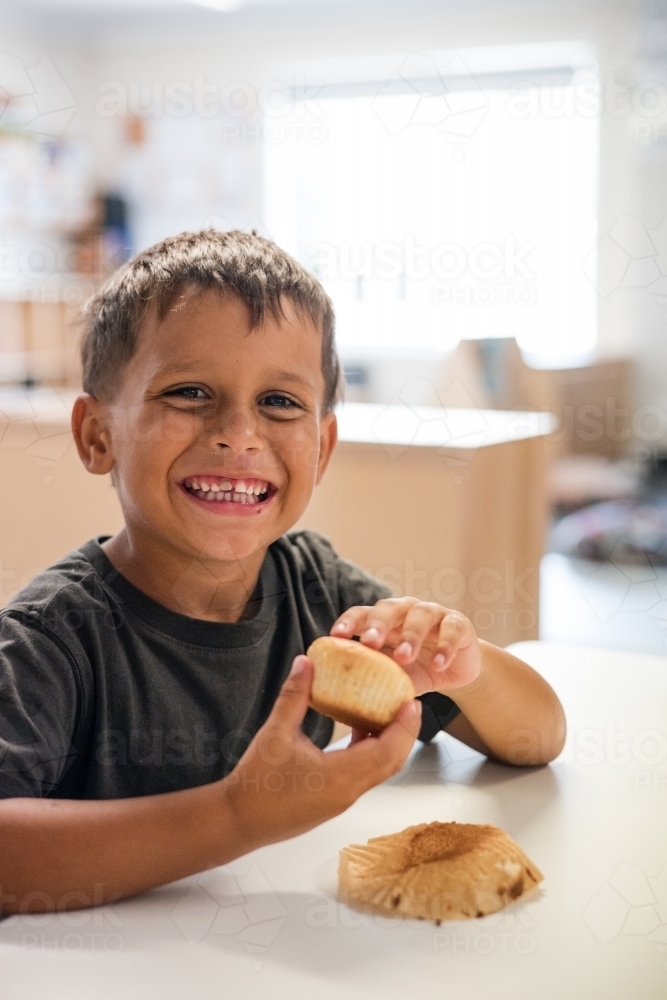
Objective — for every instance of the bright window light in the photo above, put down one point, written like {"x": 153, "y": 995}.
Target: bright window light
{"x": 435, "y": 212}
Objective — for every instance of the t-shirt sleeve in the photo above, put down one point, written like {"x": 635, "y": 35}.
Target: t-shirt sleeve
{"x": 356, "y": 587}
{"x": 331, "y": 580}
{"x": 39, "y": 696}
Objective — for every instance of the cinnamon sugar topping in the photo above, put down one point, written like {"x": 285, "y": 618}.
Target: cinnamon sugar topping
{"x": 444, "y": 841}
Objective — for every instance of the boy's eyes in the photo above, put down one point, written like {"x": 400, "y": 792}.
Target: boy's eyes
{"x": 273, "y": 400}
{"x": 187, "y": 392}
{"x": 279, "y": 401}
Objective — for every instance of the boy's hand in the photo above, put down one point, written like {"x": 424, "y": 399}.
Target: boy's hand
{"x": 284, "y": 785}
{"x": 437, "y": 647}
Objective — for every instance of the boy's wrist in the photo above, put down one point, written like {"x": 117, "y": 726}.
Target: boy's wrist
{"x": 235, "y": 839}
{"x": 460, "y": 695}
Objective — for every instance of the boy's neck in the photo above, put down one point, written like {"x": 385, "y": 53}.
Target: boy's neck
{"x": 205, "y": 589}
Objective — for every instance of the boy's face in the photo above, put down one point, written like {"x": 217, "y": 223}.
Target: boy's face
{"x": 216, "y": 432}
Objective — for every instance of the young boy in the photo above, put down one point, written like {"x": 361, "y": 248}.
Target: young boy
{"x": 150, "y": 726}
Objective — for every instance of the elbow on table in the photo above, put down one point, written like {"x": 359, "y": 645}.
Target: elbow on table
{"x": 531, "y": 747}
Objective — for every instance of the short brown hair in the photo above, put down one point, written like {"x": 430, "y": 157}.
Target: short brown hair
{"x": 254, "y": 268}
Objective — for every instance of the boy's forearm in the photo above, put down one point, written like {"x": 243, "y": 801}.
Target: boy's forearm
{"x": 512, "y": 709}
{"x": 65, "y": 854}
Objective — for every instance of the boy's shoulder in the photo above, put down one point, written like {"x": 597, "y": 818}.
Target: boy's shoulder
{"x": 307, "y": 547}
{"x": 310, "y": 553}
{"x": 313, "y": 556}
{"x": 64, "y": 591}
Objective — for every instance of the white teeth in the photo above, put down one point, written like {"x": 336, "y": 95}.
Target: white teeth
{"x": 240, "y": 493}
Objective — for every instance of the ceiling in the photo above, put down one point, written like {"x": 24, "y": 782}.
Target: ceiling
{"x": 80, "y": 17}
{"x": 87, "y": 18}
{"x": 92, "y": 7}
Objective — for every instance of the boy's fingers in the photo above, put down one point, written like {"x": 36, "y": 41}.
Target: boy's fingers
{"x": 380, "y": 757}
{"x": 386, "y": 615}
{"x": 419, "y": 621}
{"x": 452, "y": 631}
{"x": 406, "y": 724}
{"x": 350, "y": 622}
{"x": 292, "y": 703}
{"x": 373, "y": 624}
{"x": 358, "y": 735}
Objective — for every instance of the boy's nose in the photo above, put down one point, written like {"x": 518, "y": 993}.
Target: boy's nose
{"x": 236, "y": 428}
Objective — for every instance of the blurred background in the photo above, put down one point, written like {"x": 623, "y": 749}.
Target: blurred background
{"x": 481, "y": 186}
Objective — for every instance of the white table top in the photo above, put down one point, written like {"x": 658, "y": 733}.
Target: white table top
{"x": 269, "y": 925}
{"x": 438, "y": 427}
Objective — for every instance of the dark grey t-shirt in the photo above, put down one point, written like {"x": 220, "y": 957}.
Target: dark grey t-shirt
{"x": 104, "y": 693}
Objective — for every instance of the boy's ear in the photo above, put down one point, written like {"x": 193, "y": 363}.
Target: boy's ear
{"x": 91, "y": 434}
{"x": 328, "y": 441}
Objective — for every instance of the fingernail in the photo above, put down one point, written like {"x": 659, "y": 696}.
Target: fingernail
{"x": 439, "y": 660}
{"x": 371, "y": 635}
{"x": 298, "y": 666}
{"x": 340, "y": 627}
{"x": 405, "y": 649}
{"x": 415, "y": 708}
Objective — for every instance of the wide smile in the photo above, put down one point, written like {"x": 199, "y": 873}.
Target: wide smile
{"x": 222, "y": 494}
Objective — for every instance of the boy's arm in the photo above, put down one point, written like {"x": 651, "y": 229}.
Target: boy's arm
{"x": 508, "y": 711}
{"x": 60, "y": 854}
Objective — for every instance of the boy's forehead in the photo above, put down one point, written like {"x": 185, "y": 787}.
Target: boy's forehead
{"x": 212, "y": 330}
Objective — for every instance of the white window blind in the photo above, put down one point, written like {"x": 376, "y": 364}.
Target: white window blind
{"x": 446, "y": 206}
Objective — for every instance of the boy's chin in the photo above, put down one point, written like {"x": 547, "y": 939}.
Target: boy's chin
{"x": 234, "y": 544}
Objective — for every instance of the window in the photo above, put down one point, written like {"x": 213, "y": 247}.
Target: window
{"x": 446, "y": 204}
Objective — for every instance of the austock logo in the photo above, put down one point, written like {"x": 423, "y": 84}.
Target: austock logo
{"x": 630, "y": 903}
{"x": 630, "y": 256}
{"x": 616, "y": 586}
{"x": 403, "y": 423}
{"x": 224, "y": 903}
{"x": 34, "y": 99}
{"x": 46, "y": 441}
{"x": 453, "y": 104}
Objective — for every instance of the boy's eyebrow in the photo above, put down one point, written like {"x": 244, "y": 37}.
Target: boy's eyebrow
{"x": 184, "y": 368}
{"x": 181, "y": 368}
{"x": 295, "y": 377}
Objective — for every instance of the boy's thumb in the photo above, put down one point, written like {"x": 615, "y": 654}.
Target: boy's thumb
{"x": 292, "y": 702}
